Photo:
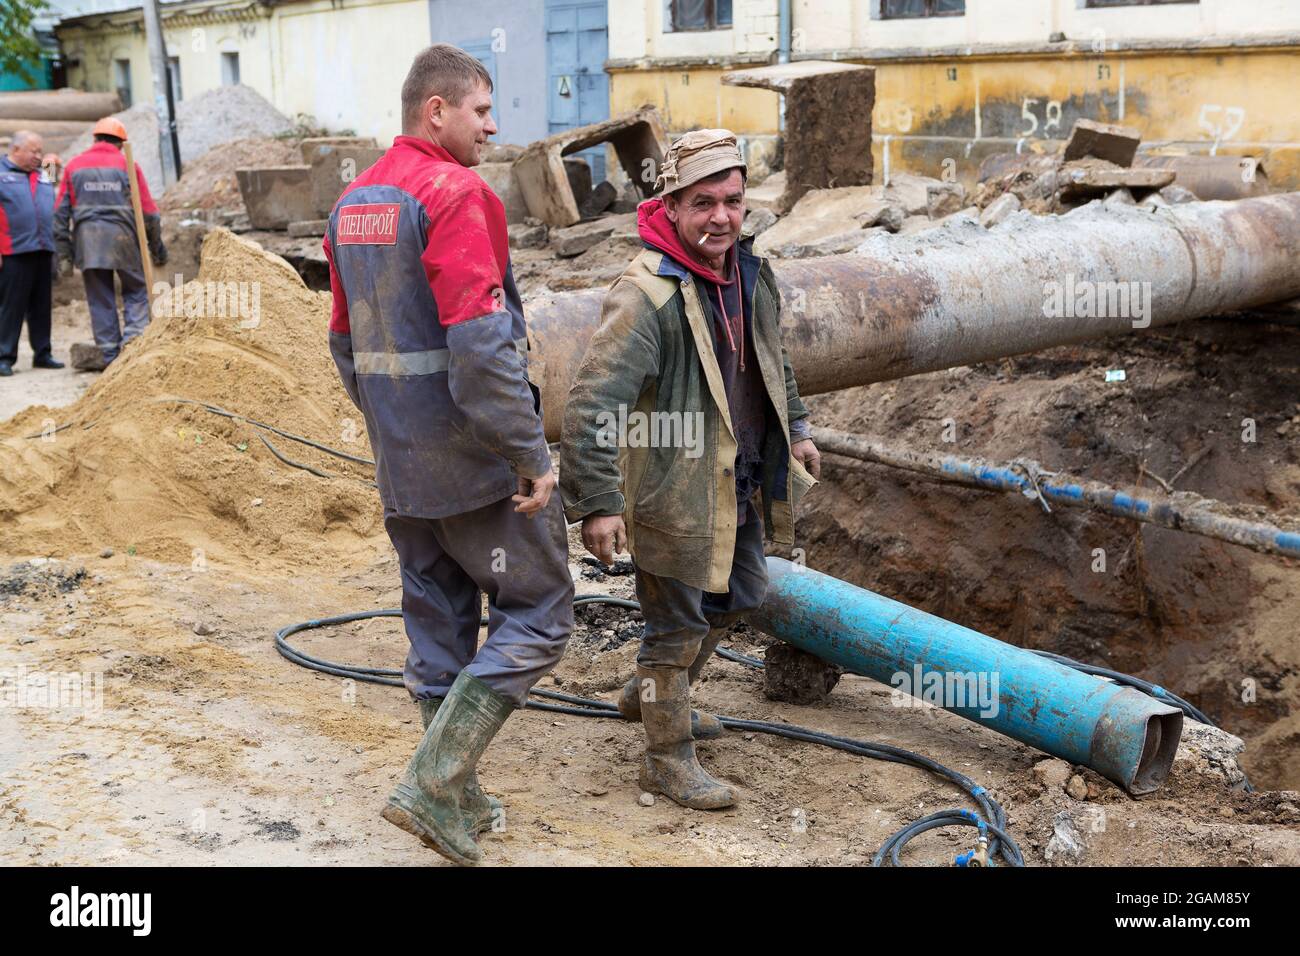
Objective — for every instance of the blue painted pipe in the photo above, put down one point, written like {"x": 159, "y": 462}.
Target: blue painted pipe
{"x": 1123, "y": 734}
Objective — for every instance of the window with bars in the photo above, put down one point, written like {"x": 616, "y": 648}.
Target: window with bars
{"x": 701, "y": 15}
{"x": 911, "y": 9}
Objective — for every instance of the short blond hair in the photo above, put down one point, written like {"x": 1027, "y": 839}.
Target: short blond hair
{"x": 440, "y": 70}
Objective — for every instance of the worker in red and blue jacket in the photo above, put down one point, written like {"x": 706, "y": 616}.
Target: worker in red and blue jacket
{"x": 94, "y": 229}
{"x": 26, "y": 253}
{"x": 429, "y": 338}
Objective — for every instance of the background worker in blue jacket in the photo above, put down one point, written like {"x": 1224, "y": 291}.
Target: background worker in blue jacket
{"x": 26, "y": 253}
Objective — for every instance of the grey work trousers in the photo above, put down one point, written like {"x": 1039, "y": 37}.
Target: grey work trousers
{"x": 449, "y": 563}
{"x": 101, "y": 297}
{"x": 678, "y": 616}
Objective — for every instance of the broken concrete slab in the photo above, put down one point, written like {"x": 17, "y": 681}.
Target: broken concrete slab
{"x": 999, "y": 210}
{"x": 501, "y": 178}
{"x": 830, "y": 244}
{"x": 1091, "y": 177}
{"x": 574, "y": 240}
{"x": 500, "y": 153}
{"x": 943, "y": 199}
{"x": 601, "y": 198}
{"x": 312, "y": 147}
{"x": 795, "y": 232}
{"x": 757, "y": 221}
{"x": 769, "y": 194}
{"x": 1113, "y": 143}
{"x": 910, "y": 192}
{"x": 276, "y": 195}
{"x": 1176, "y": 195}
{"x": 530, "y": 234}
{"x": 828, "y": 108}
{"x": 334, "y": 167}
{"x": 637, "y": 137}
{"x": 309, "y": 227}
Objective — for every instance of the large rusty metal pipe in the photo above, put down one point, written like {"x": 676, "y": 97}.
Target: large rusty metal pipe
{"x": 954, "y": 296}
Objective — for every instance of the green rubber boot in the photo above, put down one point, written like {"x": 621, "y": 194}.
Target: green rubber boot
{"x": 670, "y": 766}
{"x": 479, "y": 808}
{"x": 427, "y": 802}
{"x": 703, "y": 726}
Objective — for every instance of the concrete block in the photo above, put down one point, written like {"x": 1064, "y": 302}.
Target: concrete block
{"x": 910, "y": 192}
{"x": 527, "y": 235}
{"x": 501, "y": 177}
{"x": 637, "y": 137}
{"x": 828, "y": 122}
{"x": 999, "y": 209}
{"x": 1108, "y": 141}
{"x": 309, "y": 227}
{"x": 1091, "y": 177}
{"x": 276, "y": 195}
{"x": 943, "y": 199}
{"x": 575, "y": 240}
{"x": 334, "y": 167}
{"x": 312, "y": 146}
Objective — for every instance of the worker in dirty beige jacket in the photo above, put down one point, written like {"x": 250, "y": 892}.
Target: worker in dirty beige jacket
{"x": 685, "y": 411}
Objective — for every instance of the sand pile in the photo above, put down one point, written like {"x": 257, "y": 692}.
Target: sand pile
{"x": 217, "y": 116}
{"x": 127, "y": 471}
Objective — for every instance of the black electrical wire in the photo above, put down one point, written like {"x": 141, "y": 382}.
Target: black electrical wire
{"x": 994, "y": 817}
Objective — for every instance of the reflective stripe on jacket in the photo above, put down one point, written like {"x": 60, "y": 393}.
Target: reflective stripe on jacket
{"x": 428, "y": 333}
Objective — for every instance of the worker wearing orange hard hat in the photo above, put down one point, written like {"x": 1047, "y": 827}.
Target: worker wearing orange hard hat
{"x": 94, "y": 229}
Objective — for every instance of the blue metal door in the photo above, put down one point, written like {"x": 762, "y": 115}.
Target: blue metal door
{"x": 577, "y": 45}
{"x": 482, "y": 51}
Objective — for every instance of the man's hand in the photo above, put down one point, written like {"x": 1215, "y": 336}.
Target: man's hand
{"x": 534, "y": 493}
{"x": 604, "y": 536}
{"x": 806, "y": 453}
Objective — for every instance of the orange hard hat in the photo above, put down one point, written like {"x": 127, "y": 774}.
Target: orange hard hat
{"x": 109, "y": 126}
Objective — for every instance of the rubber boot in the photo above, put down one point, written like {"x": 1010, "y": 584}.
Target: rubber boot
{"x": 427, "y": 801}
{"x": 479, "y": 809}
{"x": 703, "y": 726}
{"x": 670, "y": 766}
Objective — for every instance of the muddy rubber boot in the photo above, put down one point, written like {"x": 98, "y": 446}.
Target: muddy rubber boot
{"x": 704, "y": 726}
{"x": 427, "y": 801}
{"x": 670, "y": 766}
{"x": 478, "y": 808}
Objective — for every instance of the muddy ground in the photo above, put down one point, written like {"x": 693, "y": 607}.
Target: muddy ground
{"x": 208, "y": 747}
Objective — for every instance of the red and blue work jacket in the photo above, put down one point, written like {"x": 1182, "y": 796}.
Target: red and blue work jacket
{"x": 94, "y": 224}
{"x": 26, "y": 210}
{"x": 428, "y": 333}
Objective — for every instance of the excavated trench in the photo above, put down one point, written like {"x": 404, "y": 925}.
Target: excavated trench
{"x": 1213, "y": 622}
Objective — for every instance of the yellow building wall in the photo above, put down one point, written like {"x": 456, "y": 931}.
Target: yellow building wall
{"x": 941, "y": 116}
{"x": 333, "y": 64}
{"x": 198, "y": 48}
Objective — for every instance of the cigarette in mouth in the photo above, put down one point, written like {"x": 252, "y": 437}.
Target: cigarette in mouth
{"x": 703, "y": 239}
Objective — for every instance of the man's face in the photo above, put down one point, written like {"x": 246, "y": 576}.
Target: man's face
{"x": 712, "y": 209}
{"x": 28, "y": 155}
{"x": 463, "y": 129}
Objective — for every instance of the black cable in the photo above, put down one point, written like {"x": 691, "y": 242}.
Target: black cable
{"x": 994, "y": 820}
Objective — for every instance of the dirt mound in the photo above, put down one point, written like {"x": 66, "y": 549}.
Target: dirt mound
{"x": 1213, "y": 622}
{"x": 209, "y": 182}
{"x": 210, "y": 119}
{"x": 127, "y": 468}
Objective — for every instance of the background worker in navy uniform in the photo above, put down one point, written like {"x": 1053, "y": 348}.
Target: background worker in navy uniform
{"x": 94, "y": 229}
{"x": 26, "y": 253}
{"x": 428, "y": 335}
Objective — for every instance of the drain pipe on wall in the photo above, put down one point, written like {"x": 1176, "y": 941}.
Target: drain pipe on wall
{"x": 784, "y": 33}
